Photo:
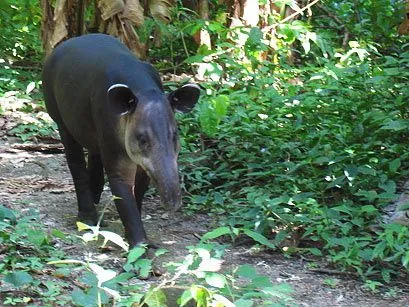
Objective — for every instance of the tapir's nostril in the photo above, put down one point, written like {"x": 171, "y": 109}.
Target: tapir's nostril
{"x": 172, "y": 204}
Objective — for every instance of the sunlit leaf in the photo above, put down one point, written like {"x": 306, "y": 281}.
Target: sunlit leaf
{"x": 81, "y": 226}
{"x": 115, "y": 238}
{"x": 216, "y": 280}
{"x": 30, "y": 87}
{"x": 102, "y": 274}
{"x": 222, "y": 301}
{"x": 210, "y": 265}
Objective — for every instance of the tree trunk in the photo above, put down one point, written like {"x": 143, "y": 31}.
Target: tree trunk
{"x": 61, "y": 22}
{"x": 66, "y": 18}
{"x": 204, "y": 36}
{"x": 403, "y": 28}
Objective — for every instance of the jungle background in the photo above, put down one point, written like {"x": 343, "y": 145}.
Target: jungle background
{"x": 292, "y": 163}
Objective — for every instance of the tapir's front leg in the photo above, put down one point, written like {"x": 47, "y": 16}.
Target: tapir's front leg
{"x": 121, "y": 178}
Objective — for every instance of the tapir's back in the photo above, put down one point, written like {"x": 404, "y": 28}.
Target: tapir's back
{"x": 77, "y": 75}
{"x": 85, "y": 65}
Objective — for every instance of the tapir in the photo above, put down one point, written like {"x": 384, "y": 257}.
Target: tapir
{"x": 107, "y": 101}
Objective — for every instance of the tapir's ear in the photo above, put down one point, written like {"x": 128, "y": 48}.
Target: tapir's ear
{"x": 121, "y": 99}
{"x": 184, "y": 98}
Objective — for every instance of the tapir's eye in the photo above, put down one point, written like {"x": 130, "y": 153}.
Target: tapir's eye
{"x": 142, "y": 140}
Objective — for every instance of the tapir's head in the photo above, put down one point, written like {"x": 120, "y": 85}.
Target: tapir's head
{"x": 150, "y": 133}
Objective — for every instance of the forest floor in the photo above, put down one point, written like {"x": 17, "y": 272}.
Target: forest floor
{"x": 32, "y": 179}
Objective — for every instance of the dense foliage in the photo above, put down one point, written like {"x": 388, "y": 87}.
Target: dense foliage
{"x": 306, "y": 149}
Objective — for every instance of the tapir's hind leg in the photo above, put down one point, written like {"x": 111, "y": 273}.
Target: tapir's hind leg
{"x": 76, "y": 163}
{"x": 96, "y": 176}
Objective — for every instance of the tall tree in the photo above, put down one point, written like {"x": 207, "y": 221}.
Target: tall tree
{"x": 65, "y": 18}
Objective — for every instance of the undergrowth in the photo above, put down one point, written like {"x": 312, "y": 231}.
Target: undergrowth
{"x": 315, "y": 151}
{"x": 36, "y": 272}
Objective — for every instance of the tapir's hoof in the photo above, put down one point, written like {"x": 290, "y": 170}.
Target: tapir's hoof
{"x": 89, "y": 218}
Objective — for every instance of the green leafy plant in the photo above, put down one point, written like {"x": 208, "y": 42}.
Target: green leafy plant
{"x": 322, "y": 156}
{"x": 28, "y": 248}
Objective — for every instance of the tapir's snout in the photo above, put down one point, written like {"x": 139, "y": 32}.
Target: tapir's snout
{"x": 172, "y": 201}
{"x": 166, "y": 180}
{"x": 169, "y": 191}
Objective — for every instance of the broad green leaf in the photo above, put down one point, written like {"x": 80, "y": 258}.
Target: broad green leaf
{"x": 247, "y": 271}
{"x": 145, "y": 267}
{"x": 258, "y": 238}
{"x": 220, "y": 105}
{"x": 80, "y": 298}
{"x": 135, "y": 253}
{"x": 255, "y": 36}
{"x": 315, "y": 251}
{"x": 121, "y": 278}
{"x": 368, "y": 209}
{"x": 342, "y": 208}
{"x": 261, "y": 282}
{"x": 396, "y": 125}
{"x": 370, "y": 195}
{"x": 36, "y": 236}
{"x": 366, "y": 170}
{"x": 160, "y": 252}
{"x": 58, "y": 233}
{"x": 389, "y": 186}
{"x": 195, "y": 59}
{"x": 218, "y": 232}
{"x": 394, "y": 165}
{"x": 279, "y": 290}
{"x": 18, "y": 279}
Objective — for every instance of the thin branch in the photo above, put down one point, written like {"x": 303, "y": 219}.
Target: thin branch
{"x": 266, "y": 29}
{"x": 299, "y": 12}
{"x": 332, "y": 272}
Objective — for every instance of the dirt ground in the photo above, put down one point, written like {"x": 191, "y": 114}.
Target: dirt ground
{"x": 37, "y": 180}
